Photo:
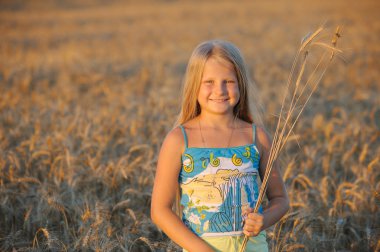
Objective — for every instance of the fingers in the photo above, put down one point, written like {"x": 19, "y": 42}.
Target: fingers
{"x": 246, "y": 210}
{"x": 253, "y": 224}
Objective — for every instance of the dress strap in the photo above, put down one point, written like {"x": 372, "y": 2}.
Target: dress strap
{"x": 184, "y": 135}
{"x": 254, "y": 134}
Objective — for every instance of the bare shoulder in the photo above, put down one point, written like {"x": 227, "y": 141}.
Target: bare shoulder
{"x": 263, "y": 139}
{"x": 243, "y": 125}
{"x": 191, "y": 124}
{"x": 174, "y": 139}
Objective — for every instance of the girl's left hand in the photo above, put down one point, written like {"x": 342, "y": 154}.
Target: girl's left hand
{"x": 253, "y": 222}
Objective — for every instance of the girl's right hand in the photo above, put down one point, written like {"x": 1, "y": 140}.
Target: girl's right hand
{"x": 253, "y": 222}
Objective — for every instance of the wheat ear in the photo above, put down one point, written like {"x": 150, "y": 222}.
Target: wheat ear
{"x": 282, "y": 134}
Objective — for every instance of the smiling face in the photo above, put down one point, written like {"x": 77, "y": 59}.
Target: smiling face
{"x": 219, "y": 90}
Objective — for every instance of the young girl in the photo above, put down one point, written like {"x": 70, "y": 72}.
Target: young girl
{"x": 213, "y": 158}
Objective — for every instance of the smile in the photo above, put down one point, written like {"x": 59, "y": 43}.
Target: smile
{"x": 219, "y": 100}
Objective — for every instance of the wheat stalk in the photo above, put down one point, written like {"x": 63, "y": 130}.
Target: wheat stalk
{"x": 296, "y": 91}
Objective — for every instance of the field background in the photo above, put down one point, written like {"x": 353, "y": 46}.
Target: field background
{"x": 89, "y": 89}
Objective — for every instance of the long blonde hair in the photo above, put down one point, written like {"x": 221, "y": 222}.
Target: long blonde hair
{"x": 221, "y": 50}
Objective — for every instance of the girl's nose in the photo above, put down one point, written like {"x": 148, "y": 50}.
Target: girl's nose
{"x": 221, "y": 87}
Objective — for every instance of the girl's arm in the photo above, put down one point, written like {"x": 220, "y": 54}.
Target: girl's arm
{"x": 276, "y": 191}
{"x": 164, "y": 192}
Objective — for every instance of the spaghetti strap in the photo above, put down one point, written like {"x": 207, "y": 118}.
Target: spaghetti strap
{"x": 254, "y": 134}
{"x": 184, "y": 135}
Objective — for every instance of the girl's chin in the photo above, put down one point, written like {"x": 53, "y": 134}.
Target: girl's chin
{"x": 220, "y": 111}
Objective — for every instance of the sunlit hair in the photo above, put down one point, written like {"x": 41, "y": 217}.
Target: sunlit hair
{"x": 222, "y": 51}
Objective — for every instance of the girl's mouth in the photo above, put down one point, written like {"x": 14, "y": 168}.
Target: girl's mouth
{"x": 219, "y": 100}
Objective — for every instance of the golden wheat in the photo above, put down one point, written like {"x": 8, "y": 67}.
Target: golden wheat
{"x": 88, "y": 91}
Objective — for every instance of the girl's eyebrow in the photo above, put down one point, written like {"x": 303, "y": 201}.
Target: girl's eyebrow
{"x": 224, "y": 79}
{"x": 232, "y": 76}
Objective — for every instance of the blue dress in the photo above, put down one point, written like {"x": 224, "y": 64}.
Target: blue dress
{"x": 216, "y": 184}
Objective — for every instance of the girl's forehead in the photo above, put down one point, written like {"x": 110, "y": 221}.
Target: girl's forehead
{"x": 220, "y": 60}
{"x": 212, "y": 61}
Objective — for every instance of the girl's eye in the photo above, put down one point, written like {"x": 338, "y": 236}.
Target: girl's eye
{"x": 230, "y": 81}
{"x": 209, "y": 81}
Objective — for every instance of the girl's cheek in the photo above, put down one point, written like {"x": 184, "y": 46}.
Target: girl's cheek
{"x": 237, "y": 94}
{"x": 235, "y": 89}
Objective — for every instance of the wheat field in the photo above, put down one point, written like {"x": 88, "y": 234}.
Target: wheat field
{"x": 89, "y": 89}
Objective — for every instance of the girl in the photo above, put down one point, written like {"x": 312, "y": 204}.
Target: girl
{"x": 211, "y": 160}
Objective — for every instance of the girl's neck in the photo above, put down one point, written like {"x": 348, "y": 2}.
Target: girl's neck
{"x": 217, "y": 121}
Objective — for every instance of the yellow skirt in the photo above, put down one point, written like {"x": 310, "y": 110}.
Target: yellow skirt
{"x": 233, "y": 243}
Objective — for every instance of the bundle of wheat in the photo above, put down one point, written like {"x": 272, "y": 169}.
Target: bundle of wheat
{"x": 297, "y": 94}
